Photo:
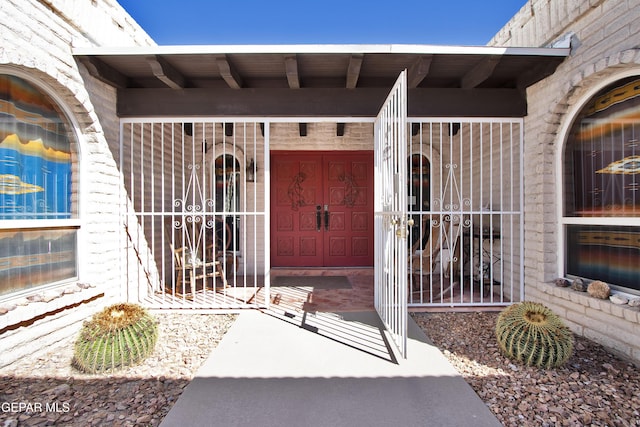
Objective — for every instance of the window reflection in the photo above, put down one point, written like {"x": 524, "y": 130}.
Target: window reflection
{"x": 36, "y": 257}
{"x": 37, "y": 167}
{"x": 419, "y": 196}
{"x": 602, "y": 180}
{"x": 227, "y": 196}
{"x": 35, "y": 154}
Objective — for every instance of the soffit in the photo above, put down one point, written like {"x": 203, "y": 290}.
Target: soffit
{"x": 319, "y": 66}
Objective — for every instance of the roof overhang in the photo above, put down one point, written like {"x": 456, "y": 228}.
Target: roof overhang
{"x": 319, "y": 80}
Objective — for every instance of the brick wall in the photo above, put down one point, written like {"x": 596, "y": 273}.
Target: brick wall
{"x": 36, "y": 40}
{"x": 604, "y": 40}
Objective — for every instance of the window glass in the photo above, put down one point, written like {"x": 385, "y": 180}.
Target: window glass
{"x": 602, "y": 181}
{"x": 37, "y": 165}
{"x": 419, "y": 196}
{"x": 30, "y": 258}
{"x": 227, "y": 195}
{"x": 35, "y": 154}
{"x": 602, "y": 170}
{"x": 227, "y": 173}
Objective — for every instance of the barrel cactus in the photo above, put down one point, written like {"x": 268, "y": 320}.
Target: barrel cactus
{"x": 531, "y": 333}
{"x": 118, "y": 336}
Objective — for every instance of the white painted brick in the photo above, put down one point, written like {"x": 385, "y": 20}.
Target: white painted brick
{"x": 571, "y": 307}
{"x": 606, "y": 340}
{"x": 632, "y": 315}
{"x": 612, "y": 322}
{"x": 38, "y": 38}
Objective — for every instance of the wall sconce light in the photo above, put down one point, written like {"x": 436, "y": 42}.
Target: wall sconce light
{"x": 252, "y": 169}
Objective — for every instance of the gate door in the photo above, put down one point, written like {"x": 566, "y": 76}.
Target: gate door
{"x": 390, "y": 213}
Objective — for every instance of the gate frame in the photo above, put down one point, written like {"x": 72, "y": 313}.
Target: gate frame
{"x": 390, "y": 213}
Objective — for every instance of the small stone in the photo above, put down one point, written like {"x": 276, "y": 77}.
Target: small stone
{"x": 51, "y": 295}
{"x": 71, "y": 290}
{"x": 618, "y": 299}
{"x": 22, "y": 302}
{"x": 35, "y": 298}
{"x": 61, "y": 389}
{"x": 634, "y": 302}
{"x": 599, "y": 289}
{"x": 561, "y": 282}
{"x": 143, "y": 419}
{"x": 579, "y": 285}
{"x": 4, "y": 309}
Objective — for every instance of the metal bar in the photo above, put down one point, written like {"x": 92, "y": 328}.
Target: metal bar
{"x": 390, "y": 292}
{"x": 186, "y": 197}
{"x": 467, "y": 172}
{"x": 163, "y": 232}
{"x": 521, "y": 208}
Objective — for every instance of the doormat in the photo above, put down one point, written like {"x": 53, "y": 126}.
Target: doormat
{"x": 317, "y": 282}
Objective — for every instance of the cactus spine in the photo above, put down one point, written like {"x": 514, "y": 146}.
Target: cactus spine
{"x": 120, "y": 335}
{"x": 531, "y": 333}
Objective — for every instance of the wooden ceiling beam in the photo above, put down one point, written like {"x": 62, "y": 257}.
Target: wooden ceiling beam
{"x": 481, "y": 72}
{"x": 228, "y": 72}
{"x": 419, "y": 70}
{"x": 320, "y": 102}
{"x": 291, "y": 68}
{"x": 353, "y": 71}
{"x": 165, "y": 72}
{"x": 105, "y": 73}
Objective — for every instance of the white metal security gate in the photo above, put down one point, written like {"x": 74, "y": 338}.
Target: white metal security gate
{"x": 194, "y": 213}
{"x": 466, "y": 199}
{"x": 390, "y": 213}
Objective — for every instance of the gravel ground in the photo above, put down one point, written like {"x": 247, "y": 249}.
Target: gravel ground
{"x": 593, "y": 389}
{"x": 137, "y": 396}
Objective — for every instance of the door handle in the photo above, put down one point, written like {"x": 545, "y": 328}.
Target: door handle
{"x": 326, "y": 217}
{"x": 318, "y": 217}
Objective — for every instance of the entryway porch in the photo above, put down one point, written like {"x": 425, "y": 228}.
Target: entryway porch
{"x": 200, "y": 231}
{"x": 202, "y": 165}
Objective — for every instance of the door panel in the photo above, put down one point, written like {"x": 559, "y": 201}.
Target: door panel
{"x": 297, "y": 188}
{"x": 322, "y": 213}
{"x": 349, "y": 191}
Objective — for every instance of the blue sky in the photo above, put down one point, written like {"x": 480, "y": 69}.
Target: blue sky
{"x": 446, "y": 22}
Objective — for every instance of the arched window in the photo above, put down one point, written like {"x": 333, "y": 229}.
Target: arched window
{"x": 227, "y": 196}
{"x": 419, "y": 195}
{"x": 38, "y": 188}
{"x": 602, "y": 188}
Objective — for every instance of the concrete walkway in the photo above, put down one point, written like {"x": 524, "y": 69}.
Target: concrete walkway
{"x": 325, "y": 369}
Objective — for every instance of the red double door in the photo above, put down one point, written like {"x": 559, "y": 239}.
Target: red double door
{"x": 322, "y": 209}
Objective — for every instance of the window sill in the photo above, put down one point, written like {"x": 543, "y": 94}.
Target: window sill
{"x": 588, "y": 302}
{"x": 14, "y": 312}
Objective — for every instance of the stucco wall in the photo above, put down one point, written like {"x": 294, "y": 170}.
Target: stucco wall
{"x": 36, "y": 40}
{"x": 604, "y": 38}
